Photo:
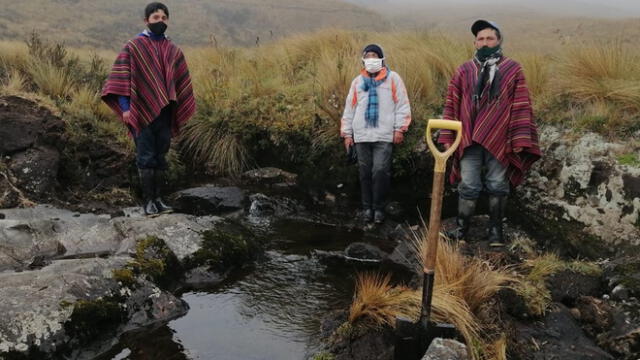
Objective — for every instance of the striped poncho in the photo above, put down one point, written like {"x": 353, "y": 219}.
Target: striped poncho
{"x": 154, "y": 74}
{"x": 499, "y": 125}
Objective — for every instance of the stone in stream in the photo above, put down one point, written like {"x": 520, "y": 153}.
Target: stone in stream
{"x": 270, "y": 176}
{"x": 210, "y": 200}
{"x": 75, "y": 302}
{"x": 365, "y": 252}
{"x": 446, "y": 349}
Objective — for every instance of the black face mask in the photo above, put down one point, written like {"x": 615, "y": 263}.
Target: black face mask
{"x": 158, "y": 28}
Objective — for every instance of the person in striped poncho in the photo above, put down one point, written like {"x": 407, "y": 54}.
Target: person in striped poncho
{"x": 489, "y": 96}
{"x": 150, "y": 90}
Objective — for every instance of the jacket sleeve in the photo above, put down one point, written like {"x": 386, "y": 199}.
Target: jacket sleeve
{"x": 452, "y": 107}
{"x": 521, "y": 114}
{"x": 346, "y": 124}
{"x": 403, "y": 108}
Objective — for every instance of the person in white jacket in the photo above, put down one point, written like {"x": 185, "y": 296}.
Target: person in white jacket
{"x": 376, "y": 116}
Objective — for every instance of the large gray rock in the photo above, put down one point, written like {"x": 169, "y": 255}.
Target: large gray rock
{"x": 582, "y": 181}
{"x": 43, "y": 232}
{"x": 46, "y": 309}
{"x": 446, "y": 349}
{"x": 182, "y": 233}
{"x": 210, "y": 200}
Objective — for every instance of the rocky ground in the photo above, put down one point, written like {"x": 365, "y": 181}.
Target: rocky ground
{"x": 79, "y": 272}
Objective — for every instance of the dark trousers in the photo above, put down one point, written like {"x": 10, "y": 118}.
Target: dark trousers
{"x": 475, "y": 159}
{"x": 153, "y": 142}
{"x": 374, "y": 162}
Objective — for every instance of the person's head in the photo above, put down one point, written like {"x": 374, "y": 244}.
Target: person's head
{"x": 154, "y": 14}
{"x": 373, "y": 58}
{"x": 487, "y": 34}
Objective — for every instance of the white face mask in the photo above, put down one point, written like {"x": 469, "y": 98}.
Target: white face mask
{"x": 372, "y": 65}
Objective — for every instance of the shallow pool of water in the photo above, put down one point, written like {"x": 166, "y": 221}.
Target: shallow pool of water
{"x": 270, "y": 310}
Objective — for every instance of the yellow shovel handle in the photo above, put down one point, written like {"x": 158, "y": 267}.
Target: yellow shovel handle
{"x": 441, "y": 157}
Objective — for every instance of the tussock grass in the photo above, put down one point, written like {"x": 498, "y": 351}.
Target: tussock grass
{"x": 462, "y": 286}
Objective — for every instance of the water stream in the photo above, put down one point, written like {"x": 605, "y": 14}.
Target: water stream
{"x": 270, "y": 310}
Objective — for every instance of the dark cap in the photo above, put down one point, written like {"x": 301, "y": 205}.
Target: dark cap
{"x": 480, "y": 25}
{"x": 374, "y": 48}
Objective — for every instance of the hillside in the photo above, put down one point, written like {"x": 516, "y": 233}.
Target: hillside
{"x": 107, "y": 24}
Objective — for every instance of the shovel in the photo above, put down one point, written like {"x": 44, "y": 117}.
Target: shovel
{"x": 413, "y": 339}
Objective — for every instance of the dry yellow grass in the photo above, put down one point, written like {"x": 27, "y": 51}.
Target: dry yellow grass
{"x": 462, "y": 286}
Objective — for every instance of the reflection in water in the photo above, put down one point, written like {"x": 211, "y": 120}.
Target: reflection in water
{"x": 271, "y": 311}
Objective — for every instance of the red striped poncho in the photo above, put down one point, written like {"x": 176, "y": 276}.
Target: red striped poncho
{"x": 500, "y": 125}
{"x": 153, "y": 74}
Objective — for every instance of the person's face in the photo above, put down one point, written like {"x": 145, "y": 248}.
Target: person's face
{"x": 371, "y": 55}
{"x": 157, "y": 16}
{"x": 487, "y": 37}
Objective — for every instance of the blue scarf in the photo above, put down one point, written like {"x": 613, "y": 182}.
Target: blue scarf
{"x": 370, "y": 84}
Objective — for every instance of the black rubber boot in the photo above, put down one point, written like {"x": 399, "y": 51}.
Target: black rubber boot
{"x": 466, "y": 209}
{"x": 497, "y": 205}
{"x": 160, "y": 184}
{"x": 367, "y": 215}
{"x": 147, "y": 182}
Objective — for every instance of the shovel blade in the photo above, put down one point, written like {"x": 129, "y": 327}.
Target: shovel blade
{"x": 413, "y": 339}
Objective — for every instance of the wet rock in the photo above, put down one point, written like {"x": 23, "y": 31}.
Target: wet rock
{"x": 624, "y": 271}
{"x": 73, "y": 302}
{"x": 270, "y": 176}
{"x": 364, "y": 251}
{"x": 36, "y": 170}
{"x": 394, "y": 210}
{"x": 446, "y": 349}
{"x": 620, "y": 293}
{"x": 181, "y": 232}
{"x": 210, "y": 200}
{"x": 558, "y": 334}
{"x": 566, "y": 286}
{"x": 404, "y": 256}
{"x": 265, "y": 206}
{"x": 202, "y": 277}
{"x": 373, "y": 345}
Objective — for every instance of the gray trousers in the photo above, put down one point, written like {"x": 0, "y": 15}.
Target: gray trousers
{"x": 374, "y": 162}
{"x": 473, "y": 161}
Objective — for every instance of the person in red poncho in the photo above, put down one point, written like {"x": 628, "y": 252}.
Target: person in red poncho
{"x": 149, "y": 88}
{"x": 489, "y": 96}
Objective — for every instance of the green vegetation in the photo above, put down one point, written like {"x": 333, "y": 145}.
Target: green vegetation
{"x": 324, "y": 356}
{"x": 630, "y": 159}
{"x": 223, "y": 248}
{"x": 93, "y": 318}
{"x": 155, "y": 260}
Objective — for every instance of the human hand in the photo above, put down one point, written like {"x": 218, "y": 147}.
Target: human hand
{"x": 398, "y": 137}
{"x": 348, "y": 141}
{"x": 446, "y": 147}
{"x": 126, "y": 116}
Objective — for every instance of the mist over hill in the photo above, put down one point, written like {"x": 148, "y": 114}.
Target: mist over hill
{"x": 107, "y": 24}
